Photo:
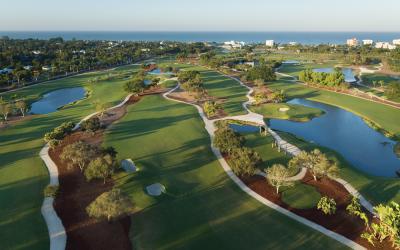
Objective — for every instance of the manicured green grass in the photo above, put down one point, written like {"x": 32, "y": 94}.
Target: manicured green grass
{"x": 229, "y": 91}
{"x": 301, "y": 196}
{"x": 263, "y": 146}
{"x": 295, "y": 112}
{"x": 375, "y": 189}
{"x": 369, "y": 78}
{"x": 384, "y": 116}
{"x": 295, "y": 69}
{"x": 23, "y": 175}
{"x": 202, "y": 207}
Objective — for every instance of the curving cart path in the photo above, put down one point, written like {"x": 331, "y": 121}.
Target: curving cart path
{"x": 57, "y": 234}
{"x": 253, "y": 117}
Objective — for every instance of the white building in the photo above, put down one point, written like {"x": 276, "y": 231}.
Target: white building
{"x": 293, "y": 43}
{"x": 36, "y": 52}
{"x": 46, "y": 68}
{"x": 396, "y": 41}
{"x": 269, "y": 43}
{"x": 367, "y": 42}
{"x": 352, "y": 42}
{"x": 233, "y": 45}
{"x": 384, "y": 45}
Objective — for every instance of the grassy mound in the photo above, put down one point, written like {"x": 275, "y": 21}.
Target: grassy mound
{"x": 301, "y": 196}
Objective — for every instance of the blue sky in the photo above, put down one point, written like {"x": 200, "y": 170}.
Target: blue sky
{"x": 201, "y": 15}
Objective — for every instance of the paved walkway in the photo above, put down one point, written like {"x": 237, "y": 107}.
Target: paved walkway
{"x": 58, "y": 236}
{"x": 209, "y": 125}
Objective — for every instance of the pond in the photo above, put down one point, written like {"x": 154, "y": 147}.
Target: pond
{"x": 348, "y": 73}
{"x": 291, "y": 62}
{"x": 244, "y": 128}
{"x": 157, "y": 71}
{"x": 347, "y": 134}
{"x": 56, "y": 99}
{"x": 147, "y": 82}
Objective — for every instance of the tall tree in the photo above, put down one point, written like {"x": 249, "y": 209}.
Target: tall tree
{"x": 277, "y": 176}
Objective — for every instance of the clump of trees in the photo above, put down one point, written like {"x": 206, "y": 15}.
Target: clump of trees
{"x": 226, "y": 140}
{"x": 243, "y": 160}
{"x": 336, "y": 79}
{"x": 101, "y": 167}
{"x": 211, "y": 108}
{"x": 94, "y": 162}
{"x": 269, "y": 97}
{"x": 57, "y": 135}
{"x": 387, "y": 225}
{"x": 110, "y": 205}
{"x": 91, "y": 125}
{"x": 327, "y": 205}
{"x": 317, "y": 163}
{"x": 262, "y": 72}
{"x": 12, "y": 107}
{"x": 79, "y": 154}
{"x": 278, "y": 176}
{"x": 135, "y": 86}
{"x": 191, "y": 82}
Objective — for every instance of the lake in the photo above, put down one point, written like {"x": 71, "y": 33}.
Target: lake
{"x": 51, "y": 101}
{"x": 348, "y": 73}
{"x": 347, "y": 134}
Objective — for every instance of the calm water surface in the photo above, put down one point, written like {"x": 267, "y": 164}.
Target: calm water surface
{"x": 56, "y": 99}
{"x": 347, "y": 134}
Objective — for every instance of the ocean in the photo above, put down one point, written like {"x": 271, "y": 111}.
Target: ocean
{"x": 248, "y": 37}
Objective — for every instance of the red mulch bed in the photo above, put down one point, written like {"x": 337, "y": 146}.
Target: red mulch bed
{"x": 76, "y": 194}
{"x": 341, "y": 222}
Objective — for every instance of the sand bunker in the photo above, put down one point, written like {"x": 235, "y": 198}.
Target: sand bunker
{"x": 155, "y": 189}
{"x": 283, "y": 109}
{"x": 129, "y": 166}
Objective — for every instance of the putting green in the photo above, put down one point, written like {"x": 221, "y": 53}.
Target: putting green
{"x": 286, "y": 111}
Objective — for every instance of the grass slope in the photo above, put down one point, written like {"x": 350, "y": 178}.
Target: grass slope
{"x": 22, "y": 173}
{"x": 203, "y": 208}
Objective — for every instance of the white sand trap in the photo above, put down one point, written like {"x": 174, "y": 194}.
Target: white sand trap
{"x": 155, "y": 189}
{"x": 129, "y": 166}
{"x": 284, "y": 109}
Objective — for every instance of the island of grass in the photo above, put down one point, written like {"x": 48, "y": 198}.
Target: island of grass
{"x": 286, "y": 111}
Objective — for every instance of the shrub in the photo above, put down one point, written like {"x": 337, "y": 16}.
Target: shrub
{"x": 226, "y": 140}
{"x": 79, "y": 154}
{"x": 135, "y": 86}
{"x": 59, "y": 133}
{"x": 262, "y": 72}
{"x": 100, "y": 168}
{"x": 110, "y": 205}
{"x": 244, "y": 161}
{"x": 93, "y": 124}
{"x": 210, "y": 108}
{"x": 327, "y": 205}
